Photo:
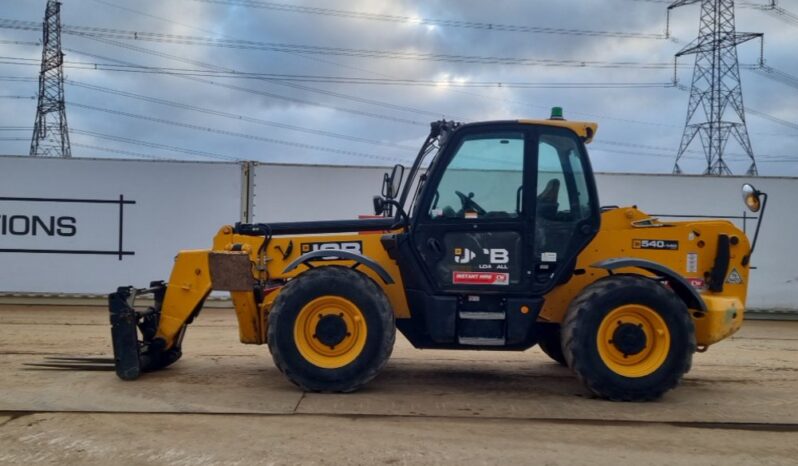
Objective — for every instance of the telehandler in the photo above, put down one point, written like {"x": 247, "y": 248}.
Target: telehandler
{"x": 495, "y": 241}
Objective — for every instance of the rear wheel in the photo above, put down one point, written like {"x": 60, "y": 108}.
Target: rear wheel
{"x": 628, "y": 338}
{"x": 550, "y": 342}
{"x": 331, "y": 329}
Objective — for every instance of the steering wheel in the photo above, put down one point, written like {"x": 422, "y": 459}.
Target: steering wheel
{"x": 469, "y": 204}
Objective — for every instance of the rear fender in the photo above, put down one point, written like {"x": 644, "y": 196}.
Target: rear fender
{"x": 680, "y": 286}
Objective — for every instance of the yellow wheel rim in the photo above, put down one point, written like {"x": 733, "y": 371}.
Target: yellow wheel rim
{"x": 330, "y": 332}
{"x": 633, "y": 340}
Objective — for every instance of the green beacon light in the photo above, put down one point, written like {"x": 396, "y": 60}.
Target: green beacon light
{"x": 556, "y": 113}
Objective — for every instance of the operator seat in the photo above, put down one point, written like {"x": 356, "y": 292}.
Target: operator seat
{"x": 547, "y": 200}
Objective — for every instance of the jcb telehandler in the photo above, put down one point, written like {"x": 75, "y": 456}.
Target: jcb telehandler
{"x": 497, "y": 241}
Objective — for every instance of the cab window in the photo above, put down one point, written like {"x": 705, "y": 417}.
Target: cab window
{"x": 483, "y": 179}
{"x": 563, "y": 198}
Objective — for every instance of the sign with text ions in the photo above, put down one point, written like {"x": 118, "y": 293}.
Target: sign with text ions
{"x": 39, "y": 225}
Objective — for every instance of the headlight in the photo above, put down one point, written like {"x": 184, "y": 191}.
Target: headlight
{"x": 751, "y": 198}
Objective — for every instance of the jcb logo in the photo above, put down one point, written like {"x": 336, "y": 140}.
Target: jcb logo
{"x": 463, "y": 255}
{"x": 348, "y": 246}
{"x": 495, "y": 255}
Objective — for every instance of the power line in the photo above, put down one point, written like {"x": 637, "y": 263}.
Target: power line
{"x": 772, "y": 118}
{"x": 343, "y": 96}
{"x": 234, "y": 116}
{"x": 413, "y": 20}
{"x": 761, "y": 114}
{"x": 111, "y": 33}
{"x": 778, "y": 12}
{"x": 120, "y": 151}
{"x": 414, "y": 122}
{"x": 233, "y": 133}
{"x": 776, "y": 75}
{"x": 263, "y": 93}
{"x": 492, "y": 98}
{"x": 740, "y": 4}
{"x": 154, "y": 145}
{"x": 20, "y": 42}
{"x": 670, "y": 150}
{"x": 342, "y": 79}
{"x": 339, "y": 95}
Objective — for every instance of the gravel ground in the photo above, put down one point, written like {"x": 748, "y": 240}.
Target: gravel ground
{"x": 226, "y": 403}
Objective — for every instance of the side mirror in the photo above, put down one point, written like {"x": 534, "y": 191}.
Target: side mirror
{"x": 751, "y": 198}
{"x": 393, "y": 182}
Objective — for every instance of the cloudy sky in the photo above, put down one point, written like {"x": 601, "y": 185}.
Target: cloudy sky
{"x": 187, "y": 106}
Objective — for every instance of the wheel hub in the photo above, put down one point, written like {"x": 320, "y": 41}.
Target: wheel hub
{"x": 331, "y": 330}
{"x": 629, "y": 339}
{"x": 633, "y": 340}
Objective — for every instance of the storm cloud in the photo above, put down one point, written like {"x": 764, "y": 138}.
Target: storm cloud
{"x": 369, "y": 124}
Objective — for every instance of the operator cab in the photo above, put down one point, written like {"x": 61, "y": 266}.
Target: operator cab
{"x": 495, "y": 221}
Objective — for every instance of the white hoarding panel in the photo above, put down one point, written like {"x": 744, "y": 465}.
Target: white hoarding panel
{"x": 294, "y": 193}
{"x": 88, "y": 226}
{"x": 286, "y": 193}
{"x": 774, "y": 279}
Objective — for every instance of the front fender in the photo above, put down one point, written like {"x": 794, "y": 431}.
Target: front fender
{"x": 342, "y": 255}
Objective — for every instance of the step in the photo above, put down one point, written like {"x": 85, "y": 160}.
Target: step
{"x": 477, "y": 315}
{"x": 475, "y": 341}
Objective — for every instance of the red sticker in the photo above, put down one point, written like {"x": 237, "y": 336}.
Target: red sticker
{"x": 480, "y": 278}
{"x": 697, "y": 283}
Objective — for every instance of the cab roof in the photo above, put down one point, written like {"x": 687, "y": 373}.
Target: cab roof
{"x": 586, "y": 130}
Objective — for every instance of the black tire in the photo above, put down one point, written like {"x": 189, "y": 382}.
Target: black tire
{"x": 582, "y": 326}
{"x": 550, "y": 342}
{"x": 341, "y": 282}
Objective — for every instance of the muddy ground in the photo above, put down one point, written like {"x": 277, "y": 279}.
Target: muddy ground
{"x": 226, "y": 403}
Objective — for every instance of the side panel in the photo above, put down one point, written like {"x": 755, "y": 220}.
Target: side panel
{"x": 281, "y": 251}
{"x": 688, "y": 248}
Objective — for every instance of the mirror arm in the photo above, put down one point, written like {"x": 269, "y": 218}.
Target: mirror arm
{"x": 747, "y": 258}
{"x": 402, "y": 219}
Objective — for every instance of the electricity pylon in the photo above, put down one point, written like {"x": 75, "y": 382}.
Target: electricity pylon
{"x": 716, "y": 87}
{"x": 50, "y": 132}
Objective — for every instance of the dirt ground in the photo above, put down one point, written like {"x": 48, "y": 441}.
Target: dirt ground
{"x": 226, "y": 403}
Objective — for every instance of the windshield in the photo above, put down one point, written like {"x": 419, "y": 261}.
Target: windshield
{"x": 483, "y": 178}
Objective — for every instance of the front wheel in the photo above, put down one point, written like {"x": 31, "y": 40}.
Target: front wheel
{"x": 331, "y": 329}
{"x": 628, "y": 338}
{"x": 550, "y": 343}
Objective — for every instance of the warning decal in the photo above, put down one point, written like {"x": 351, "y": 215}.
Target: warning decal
{"x": 692, "y": 262}
{"x": 480, "y": 278}
{"x": 734, "y": 278}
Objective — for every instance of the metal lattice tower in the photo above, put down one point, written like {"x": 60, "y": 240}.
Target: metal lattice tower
{"x": 50, "y": 132}
{"x": 716, "y": 87}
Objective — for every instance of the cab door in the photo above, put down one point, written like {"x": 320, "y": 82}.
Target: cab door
{"x": 567, "y": 212}
{"x": 506, "y": 210}
{"x": 473, "y": 223}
